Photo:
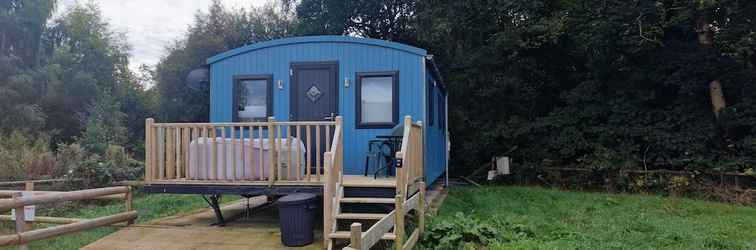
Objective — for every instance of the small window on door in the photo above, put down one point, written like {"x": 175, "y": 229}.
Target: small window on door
{"x": 253, "y": 98}
{"x": 377, "y": 99}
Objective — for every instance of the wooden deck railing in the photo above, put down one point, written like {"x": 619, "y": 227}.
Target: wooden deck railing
{"x": 25, "y": 234}
{"x": 334, "y": 162}
{"x": 410, "y": 195}
{"x": 411, "y": 157}
{"x": 264, "y": 152}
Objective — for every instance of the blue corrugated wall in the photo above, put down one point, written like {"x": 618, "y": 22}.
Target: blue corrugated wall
{"x": 353, "y": 55}
{"x": 435, "y": 135}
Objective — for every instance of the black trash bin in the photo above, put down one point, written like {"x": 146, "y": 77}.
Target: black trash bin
{"x": 296, "y": 213}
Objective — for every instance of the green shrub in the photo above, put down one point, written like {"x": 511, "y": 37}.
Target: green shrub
{"x": 24, "y": 156}
{"x": 122, "y": 165}
{"x": 460, "y": 232}
{"x": 92, "y": 170}
{"x": 467, "y": 232}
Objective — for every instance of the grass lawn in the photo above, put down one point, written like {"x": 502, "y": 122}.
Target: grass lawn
{"x": 149, "y": 206}
{"x": 538, "y": 218}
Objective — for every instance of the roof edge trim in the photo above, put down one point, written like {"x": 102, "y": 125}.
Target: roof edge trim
{"x": 315, "y": 39}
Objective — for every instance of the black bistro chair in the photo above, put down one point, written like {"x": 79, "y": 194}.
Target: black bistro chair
{"x": 381, "y": 152}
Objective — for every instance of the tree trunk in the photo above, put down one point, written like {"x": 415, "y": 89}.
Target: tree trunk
{"x": 703, "y": 28}
{"x": 717, "y": 98}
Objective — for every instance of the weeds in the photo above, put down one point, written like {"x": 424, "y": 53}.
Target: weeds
{"x": 537, "y": 218}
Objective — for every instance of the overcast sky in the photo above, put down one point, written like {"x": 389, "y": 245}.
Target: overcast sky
{"x": 151, "y": 25}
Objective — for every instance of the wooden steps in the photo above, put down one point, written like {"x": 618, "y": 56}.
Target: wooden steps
{"x": 360, "y": 216}
{"x": 345, "y": 235}
{"x": 368, "y": 200}
{"x": 368, "y": 181}
{"x": 363, "y": 199}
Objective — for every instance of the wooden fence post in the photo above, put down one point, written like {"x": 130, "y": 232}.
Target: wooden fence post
{"x": 399, "y": 222}
{"x": 20, "y": 222}
{"x": 29, "y": 186}
{"x": 130, "y": 203}
{"x": 356, "y": 236}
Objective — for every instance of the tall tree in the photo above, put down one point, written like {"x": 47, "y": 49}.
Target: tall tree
{"x": 600, "y": 84}
{"x": 21, "y": 26}
{"x": 387, "y": 19}
{"x": 211, "y": 33}
{"x": 89, "y": 62}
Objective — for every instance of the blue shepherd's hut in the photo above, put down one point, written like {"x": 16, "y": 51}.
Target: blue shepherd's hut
{"x": 371, "y": 83}
{"x": 359, "y": 122}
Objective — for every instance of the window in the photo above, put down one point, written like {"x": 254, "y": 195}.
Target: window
{"x": 429, "y": 104}
{"x": 253, "y": 98}
{"x": 377, "y": 99}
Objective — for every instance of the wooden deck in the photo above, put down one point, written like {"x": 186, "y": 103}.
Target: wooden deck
{"x": 239, "y": 158}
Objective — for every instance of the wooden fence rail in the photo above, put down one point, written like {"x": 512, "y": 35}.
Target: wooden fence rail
{"x": 25, "y": 235}
{"x": 10, "y": 193}
{"x": 50, "y": 232}
{"x": 61, "y": 197}
{"x": 48, "y": 181}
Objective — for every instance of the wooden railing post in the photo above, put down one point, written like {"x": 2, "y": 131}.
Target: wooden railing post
{"x": 419, "y": 168}
{"x": 400, "y": 172}
{"x": 272, "y": 158}
{"x": 20, "y": 220}
{"x": 340, "y": 146}
{"x": 355, "y": 231}
{"x": 129, "y": 198}
{"x": 327, "y": 200}
{"x": 399, "y": 226}
{"x": 29, "y": 186}
{"x": 407, "y": 155}
{"x": 148, "y": 153}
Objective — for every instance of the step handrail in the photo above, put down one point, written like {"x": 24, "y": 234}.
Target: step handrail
{"x": 395, "y": 219}
{"x": 333, "y": 179}
{"x": 410, "y": 158}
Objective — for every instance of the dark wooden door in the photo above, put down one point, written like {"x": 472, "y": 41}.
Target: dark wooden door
{"x": 315, "y": 94}
{"x": 315, "y": 97}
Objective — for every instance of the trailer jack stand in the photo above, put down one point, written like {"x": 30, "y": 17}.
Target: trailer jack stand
{"x": 214, "y": 202}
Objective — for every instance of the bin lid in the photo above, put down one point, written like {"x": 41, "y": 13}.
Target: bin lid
{"x": 298, "y": 198}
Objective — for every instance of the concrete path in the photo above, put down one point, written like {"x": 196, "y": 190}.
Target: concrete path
{"x": 192, "y": 231}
